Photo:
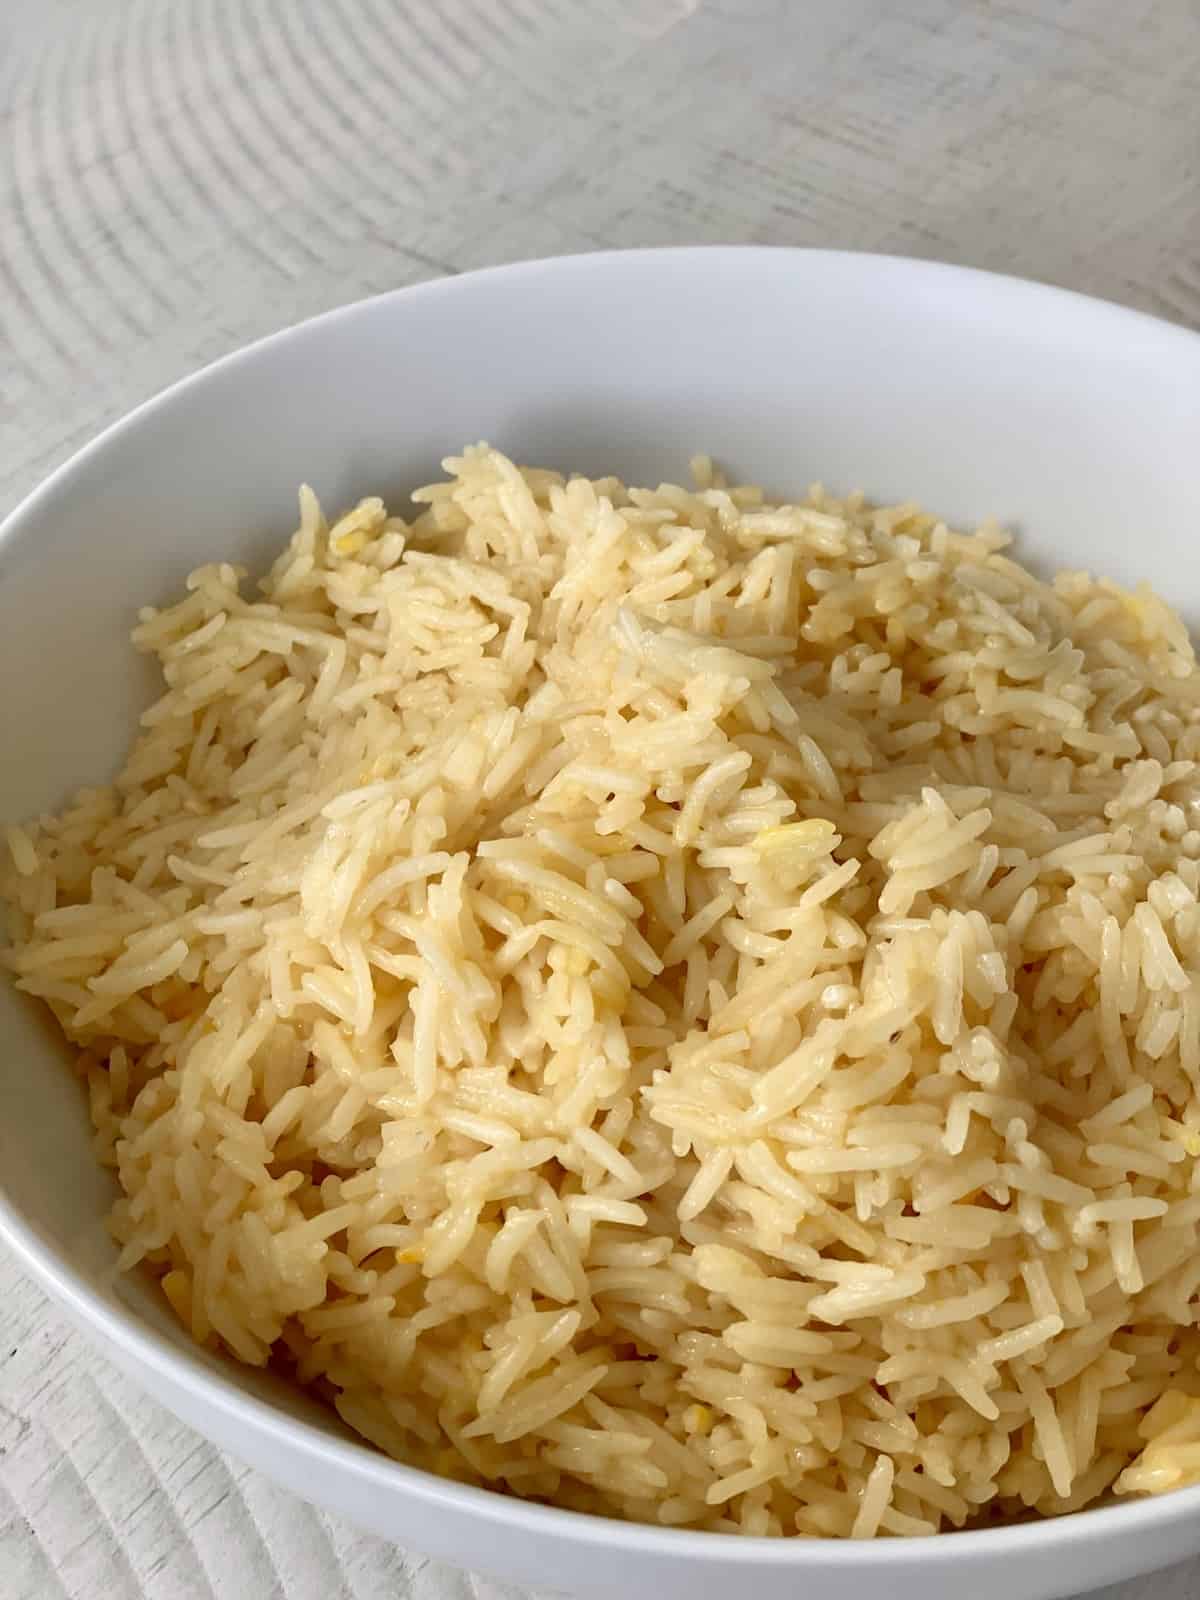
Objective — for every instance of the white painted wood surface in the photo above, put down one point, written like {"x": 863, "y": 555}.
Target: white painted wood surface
{"x": 180, "y": 176}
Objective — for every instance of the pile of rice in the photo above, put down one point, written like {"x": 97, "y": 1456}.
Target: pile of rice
{"x": 669, "y": 1004}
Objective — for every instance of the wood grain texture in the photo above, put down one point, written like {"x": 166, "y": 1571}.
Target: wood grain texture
{"x": 180, "y": 176}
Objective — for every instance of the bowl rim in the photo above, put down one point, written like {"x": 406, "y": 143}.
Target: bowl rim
{"x": 141, "y": 1345}
{"x": 1000, "y": 285}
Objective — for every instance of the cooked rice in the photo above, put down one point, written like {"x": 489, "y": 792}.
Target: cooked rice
{"x": 673, "y": 1005}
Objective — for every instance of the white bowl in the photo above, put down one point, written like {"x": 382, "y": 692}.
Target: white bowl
{"x": 1074, "y": 420}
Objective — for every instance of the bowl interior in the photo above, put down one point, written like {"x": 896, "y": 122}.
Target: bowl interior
{"x": 1074, "y": 422}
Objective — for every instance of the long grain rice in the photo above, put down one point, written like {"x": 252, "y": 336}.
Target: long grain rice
{"x": 661, "y": 1002}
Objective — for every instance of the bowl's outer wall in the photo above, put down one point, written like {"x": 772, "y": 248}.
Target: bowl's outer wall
{"x": 1072, "y": 421}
